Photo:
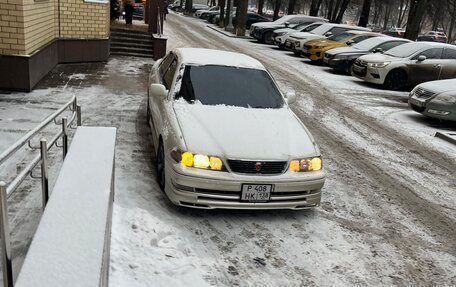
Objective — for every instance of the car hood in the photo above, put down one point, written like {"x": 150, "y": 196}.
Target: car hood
{"x": 264, "y": 25}
{"x": 306, "y": 36}
{"x": 243, "y": 133}
{"x": 286, "y": 30}
{"x": 440, "y": 86}
{"x": 378, "y": 58}
{"x": 324, "y": 42}
{"x": 346, "y": 50}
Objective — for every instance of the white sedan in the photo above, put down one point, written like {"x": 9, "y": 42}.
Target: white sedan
{"x": 225, "y": 136}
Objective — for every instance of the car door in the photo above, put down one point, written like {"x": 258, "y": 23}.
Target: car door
{"x": 448, "y": 70}
{"x": 166, "y": 76}
{"x": 427, "y": 70}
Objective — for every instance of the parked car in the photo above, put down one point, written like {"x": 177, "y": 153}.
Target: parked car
{"x": 263, "y": 31}
{"x": 395, "y": 32}
{"x": 214, "y": 16}
{"x": 342, "y": 59}
{"x": 435, "y": 99}
{"x": 196, "y": 7}
{"x": 315, "y": 49}
{"x": 433, "y": 36}
{"x": 407, "y": 65}
{"x": 298, "y": 39}
{"x": 199, "y": 13}
{"x": 251, "y": 19}
{"x": 229, "y": 144}
{"x": 138, "y": 10}
{"x": 281, "y": 35}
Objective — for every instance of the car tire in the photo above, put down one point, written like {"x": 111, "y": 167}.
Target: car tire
{"x": 396, "y": 80}
{"x": 160, "y": 165}
{"x": 267, "y": 37}
{"x": 297, "y": 53}
{"x": 281, "y": 46}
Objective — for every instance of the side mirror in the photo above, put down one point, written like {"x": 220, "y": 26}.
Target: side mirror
{"x": 290, "y": 97}
{"x": 378, "y": 50}
{"x": 287, "y": 24}
{"x": 349, "y": 42}
{"x": 328, "y": 34}
{"x": 421, "y": 58}
{"x": 158, "y": 90}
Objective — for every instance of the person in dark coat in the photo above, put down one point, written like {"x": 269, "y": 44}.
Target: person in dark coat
{"x": 129, "y": 11}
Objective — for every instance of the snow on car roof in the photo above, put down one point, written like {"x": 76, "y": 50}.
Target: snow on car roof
{"x": 201, "y": 56}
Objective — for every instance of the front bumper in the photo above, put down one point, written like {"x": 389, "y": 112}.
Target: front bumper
{"x": 433, "y": 109}
{"x": 339, "y": 65}
{"x": 212, "y": 189}
{"x": 368, "y": 74}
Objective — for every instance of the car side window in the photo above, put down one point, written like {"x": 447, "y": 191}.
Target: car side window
{"x": 360, "y": 38}
{"x": 389, "y": 45}
{"x": 450, "y": 54}
{"x": 337, "y": 30}
{"x": 296, "y": 20}
{"x": 165, "y": 64}
{"x": 169, "y": 74}
{"x": 433, "y": 53}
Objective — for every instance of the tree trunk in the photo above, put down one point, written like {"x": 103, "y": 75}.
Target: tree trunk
{"x": 330, "y": 10}
{"x": 315, "y": 7}
{"x": 222, "y": 13}
{"x": 342, "y": 10}
{"x": 277, "y": 5}
{"x": 364, "y": 18}
{"x": 452, "y": 21}
{"x": 241, "y": 17}
{"x": 260, "y": 6}
{"x": 228, "y": 12}
{"x": 291, "y": 6}
{"x": 188, "y": 7}
{"x": 386, "y": 16}
{"x": 416, "y": 13}
{"x": 402, "y": 12}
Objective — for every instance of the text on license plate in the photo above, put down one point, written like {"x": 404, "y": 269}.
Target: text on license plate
{"x": 256, "y": 192}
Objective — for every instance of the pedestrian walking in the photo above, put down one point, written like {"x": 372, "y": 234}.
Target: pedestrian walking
{"x": 165, "y": 11}
{"x": 128, "y": 7}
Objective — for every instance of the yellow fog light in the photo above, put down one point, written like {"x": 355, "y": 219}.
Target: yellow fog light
{"x": 315, "y": 163}
{"x": 294, "y": 165}
{"x": 187, "y": 159}
{"x": 201, "y": 161}
{"x": 215, "y": 163}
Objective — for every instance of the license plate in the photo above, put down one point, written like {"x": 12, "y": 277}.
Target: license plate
{"x": 416, "y": 102}
{"x": 256, "y": 192}
{"x": 358, "y": 69}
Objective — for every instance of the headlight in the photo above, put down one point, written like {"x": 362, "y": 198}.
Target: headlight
{"x": 281, "y": 33}
{"x": 346, "y": 57}
{"x": 307, "y": 164}
{"x": 202, "y": 161}
{"x": 445, "y": 98}
{"x": 378, "y": 65}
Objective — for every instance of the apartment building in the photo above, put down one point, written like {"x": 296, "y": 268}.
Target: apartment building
{"x": 36, "y": 35}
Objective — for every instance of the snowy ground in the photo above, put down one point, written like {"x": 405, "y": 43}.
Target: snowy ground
{"x": 389, "y": 205}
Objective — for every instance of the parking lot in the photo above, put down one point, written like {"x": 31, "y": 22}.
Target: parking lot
{"x": 388, "y": 207}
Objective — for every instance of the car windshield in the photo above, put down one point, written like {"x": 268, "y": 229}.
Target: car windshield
{"x": 232, "y": 86}
{"x": 308, "y": 28}
{"x": 371, "y": 43}
{"x": 283, "y": 19}
{"x": 321, "y": 29}
{"x": 406, "y": 50}
{"x": 340, "y": 37}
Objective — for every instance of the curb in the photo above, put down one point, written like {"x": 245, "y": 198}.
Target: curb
{"x": 228, "y": 34}
{"x": 449, "y": 137}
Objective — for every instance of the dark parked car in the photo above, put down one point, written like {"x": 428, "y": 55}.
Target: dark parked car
{"x": 251, "y": 19}
{"x": 196, "y": 7}
{"x": 433, "y": 36}
{"x": 263, "y": 31}
{"x": 395, "y": 32}
{"x": 342, "y": 59}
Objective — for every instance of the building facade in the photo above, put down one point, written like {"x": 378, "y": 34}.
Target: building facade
{"x": 36, "y": 35}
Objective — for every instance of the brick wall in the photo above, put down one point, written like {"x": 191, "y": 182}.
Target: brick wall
{"x": 81, "y": 19}
{"x": 27, "y": 25}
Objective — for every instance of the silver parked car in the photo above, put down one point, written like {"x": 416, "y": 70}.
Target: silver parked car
{"x": 436, "y": 99}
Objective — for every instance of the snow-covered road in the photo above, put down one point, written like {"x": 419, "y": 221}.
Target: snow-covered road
{"x": 388, "y": 211}
{"x": 388, "y": 208}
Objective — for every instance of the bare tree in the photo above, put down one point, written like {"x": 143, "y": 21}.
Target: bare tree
{"x": 291, "y": 6}
{"x": 315, "y": 7}
{"x": 416, "y": 13}
{"x": 364, "y": 18}
{"x": 260, "y": 6}
{"x": 241, "y": 17}
{"x": 277, "y": 5}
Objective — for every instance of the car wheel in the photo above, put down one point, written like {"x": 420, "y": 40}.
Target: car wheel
{"x": 396, "y": 80}
{"x": 297, "y": 53}
{"x": 267, "y": 37}
{"x": 281, "y": 46}
{"x": 160, "y": 166}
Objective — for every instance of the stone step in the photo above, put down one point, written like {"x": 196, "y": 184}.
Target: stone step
{"x": 132, "y": 50}
{"x": 131, "y": 33}
{"x": 128, "y": 40}
{"x": 132, "y": 54}
{"x": 117, "y": 43}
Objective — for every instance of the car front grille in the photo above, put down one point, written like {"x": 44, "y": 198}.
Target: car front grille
{"x": 257, "y": 167}
{"x": 328, "y": 56}
{"x": 308, "y": 47}
{"x": 361, "y": 63}
{"x": 423, "y": 93}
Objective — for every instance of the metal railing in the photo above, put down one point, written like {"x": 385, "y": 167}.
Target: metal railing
{"x": 7, "y": 189}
